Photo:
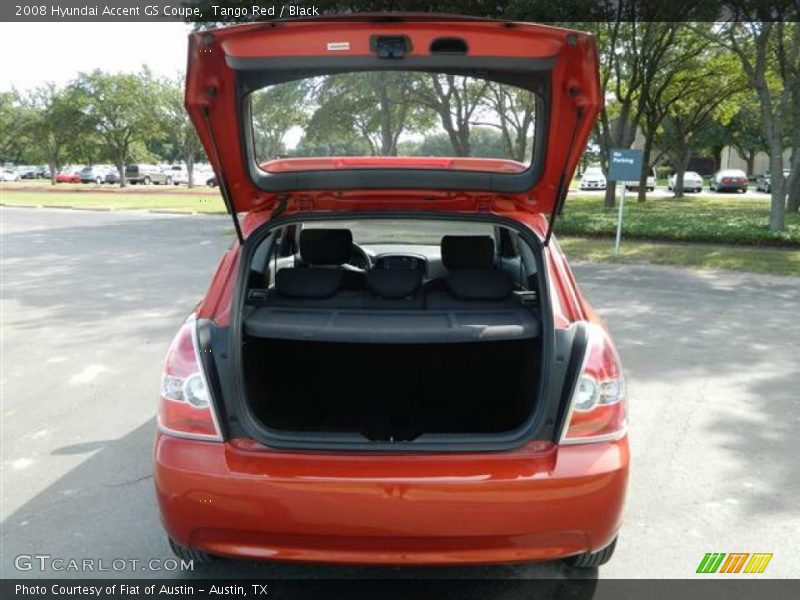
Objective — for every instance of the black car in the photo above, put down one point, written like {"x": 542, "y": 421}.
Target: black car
{"x": 111, "y": 177}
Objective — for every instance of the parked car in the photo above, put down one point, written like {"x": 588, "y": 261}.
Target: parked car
{"x": 178, "y": 174}
{"x": 27, "y": 172}
{"x": 763, "y": 183}
{"x": 651, "y": 183}
{"x": 446, "y": 397}
{"x": 146, "y": 174}
{"x": 593, "y": 179}
{"x": 692, "y": 182}
{"x": 729, "y": 180}
{"x": 69, "y": 175}
{"x": 112, "y": 176}
{"x": 95, "y": 173}
{"x": 9, "y": 175}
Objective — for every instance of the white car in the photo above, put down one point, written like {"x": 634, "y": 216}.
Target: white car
{"x": 651, "y": 182}
{"x": 593, "y": 179}
{"x": 692, "y": 182}
{"x": 177, "y": 173}
{"x": 9, "y": 175}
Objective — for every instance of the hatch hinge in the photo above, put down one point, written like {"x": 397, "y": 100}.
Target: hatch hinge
{"x": 563, "y": 182}
{"x": 223, "y": 183}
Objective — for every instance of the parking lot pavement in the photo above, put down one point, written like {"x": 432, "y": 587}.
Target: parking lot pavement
{"x": 91, "y": 300}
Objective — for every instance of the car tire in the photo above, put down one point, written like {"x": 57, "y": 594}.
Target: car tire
{"x": 147, "y": 180}
{"x": 592, "y": 560}
{"x": 189, "y": 554}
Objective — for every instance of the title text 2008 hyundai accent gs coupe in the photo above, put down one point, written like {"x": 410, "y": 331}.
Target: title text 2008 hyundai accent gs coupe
{"x": 393, "y": 363}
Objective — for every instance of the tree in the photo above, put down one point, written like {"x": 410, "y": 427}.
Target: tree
{"x": 632, "y": 56}
{"x": 123, "y": 109}
{"x": 515, "y": 112}
{"x": 376, "y": 106}
{"x": 13, "y": 141}
{"x": 455, "y": 99}
{"x": 52, "y": 120}
{"x": 274, "y": 111}
{"x": 769, "y": 54}
{"x": 703, "y": 92}
{"x": 179, "y": 132}
{"x": 746, "y": 131}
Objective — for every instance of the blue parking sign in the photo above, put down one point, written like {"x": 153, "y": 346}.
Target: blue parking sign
{"x": 625, "y": 165}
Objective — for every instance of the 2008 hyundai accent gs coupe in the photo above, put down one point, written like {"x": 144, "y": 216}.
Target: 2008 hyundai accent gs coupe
{"x": 393, "y": 363}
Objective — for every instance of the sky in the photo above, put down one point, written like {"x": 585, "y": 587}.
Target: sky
{"x": 34, "y": 53}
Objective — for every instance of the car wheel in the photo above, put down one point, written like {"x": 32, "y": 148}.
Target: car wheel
{"x": 184, "y": 553}
{"x": 591, "y": 560}
{"x": 147, "y": 180}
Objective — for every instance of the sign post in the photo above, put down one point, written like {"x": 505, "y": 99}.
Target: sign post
{"x": 625, "y": 165}
{"x": 619, "y": 222}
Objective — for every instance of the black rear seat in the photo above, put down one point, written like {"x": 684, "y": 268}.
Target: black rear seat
{"x": 322, "y": 278}
{"x": 394, "y": 289}
{"x": 472, "y": 281}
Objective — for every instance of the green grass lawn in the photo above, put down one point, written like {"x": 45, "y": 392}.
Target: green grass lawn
{"x": 772, "y": 261}
{"x": 723, "y": 219}
{"x": 185, "y": 202}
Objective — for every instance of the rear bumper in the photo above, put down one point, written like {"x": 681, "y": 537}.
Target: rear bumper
{"x": 537, "y": 503}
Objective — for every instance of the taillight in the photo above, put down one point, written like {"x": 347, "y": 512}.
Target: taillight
{"x": 597, "y": 411}
{"x": 186, "y": 408}
{"x": 726, "y": 180}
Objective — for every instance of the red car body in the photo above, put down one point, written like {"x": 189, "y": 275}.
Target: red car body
{"x": 240, "y": 498}
{"x": 68, "y": 177}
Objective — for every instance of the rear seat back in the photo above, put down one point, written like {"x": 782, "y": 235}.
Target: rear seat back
{"x": 472, "y": 281}
{"x": 394, "y": 289}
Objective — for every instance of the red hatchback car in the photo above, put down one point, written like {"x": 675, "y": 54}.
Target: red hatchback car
{"x": 393, "y": 363}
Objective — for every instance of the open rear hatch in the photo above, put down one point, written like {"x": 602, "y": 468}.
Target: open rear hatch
{"x": 447, "y": 374}
{"x": 229, "y": 67}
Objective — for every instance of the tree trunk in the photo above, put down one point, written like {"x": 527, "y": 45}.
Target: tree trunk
{"x": 52, "y": 165}
{"x": 646, "y": 168}
{"x": 751, "y": 159}
{"x": 793, "y": 183}
{"x": 121, "y": 169}
{"x": 680, "y": 172}
{"x": 190, "y": 171}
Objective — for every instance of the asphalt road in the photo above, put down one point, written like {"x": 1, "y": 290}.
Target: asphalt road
{"x": 91, "y": 300}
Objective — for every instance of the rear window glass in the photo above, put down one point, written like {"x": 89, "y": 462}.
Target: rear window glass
{"x": 404, "y": 231}
{"x": 425, "y": 120}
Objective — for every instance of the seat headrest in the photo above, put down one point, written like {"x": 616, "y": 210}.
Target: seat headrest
{"x": 471, "y": 284}
{"x": 325, "y": 246}
{"x": 393, "y": 284}
{"x": 308, "y": 283}
{"x": 467, "y": 252}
